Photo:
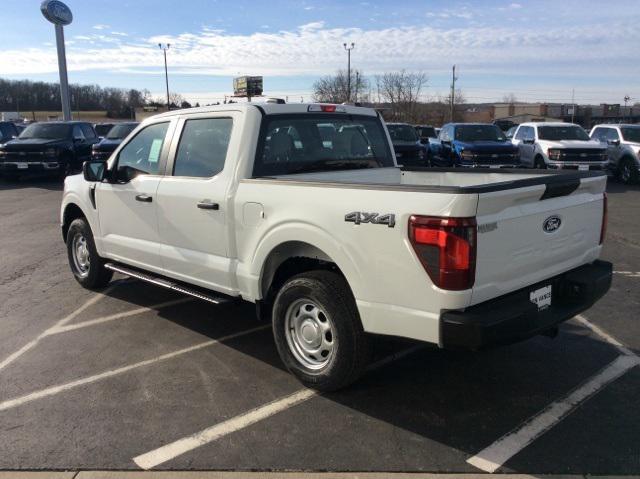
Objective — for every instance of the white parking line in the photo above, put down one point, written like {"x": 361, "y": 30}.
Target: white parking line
{"x": 172, "y": 450}
{"x": 31, "y": 344}
{"x": 112, "y": 317}
{"x": 493, "y": 457}
{"x": 604, "y": 335}
{"x": 50, "y": 391}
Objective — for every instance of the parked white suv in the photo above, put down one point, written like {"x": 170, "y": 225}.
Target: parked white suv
{"x": 558, "y": 146}
{"x": 330, "y": 238}
{"x": 623, "y": 147}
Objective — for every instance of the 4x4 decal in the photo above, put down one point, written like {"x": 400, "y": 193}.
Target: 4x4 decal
{"x": 359, "y": 217}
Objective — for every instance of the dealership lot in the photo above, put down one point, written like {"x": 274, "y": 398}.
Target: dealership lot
{"x": 125, "y": 378}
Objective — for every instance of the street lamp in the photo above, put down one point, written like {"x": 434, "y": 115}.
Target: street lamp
{"x": 164, "y": 48}
{"x": 348, "y": 49}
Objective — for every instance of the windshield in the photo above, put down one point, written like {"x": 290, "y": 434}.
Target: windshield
{"x": 479, "y": 133}
{"x": 631, "y": 134}
{"x": 402, "y": 133}
{"x": 559, "y": 133}
{"x": 426, "y": 132}
{"x": 47, "y": 131}
{"x": 119, "y": 132}
{"x": 320, "y": 142}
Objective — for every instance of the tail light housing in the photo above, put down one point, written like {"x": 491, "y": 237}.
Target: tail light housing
{"x": 603, "y": 227}
{"x": 446, "y": 247}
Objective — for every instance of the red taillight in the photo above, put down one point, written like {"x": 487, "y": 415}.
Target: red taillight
{"x": 446, "y": 248}
{"x": 603, "y": 227}
{"x": 328, "y": 108}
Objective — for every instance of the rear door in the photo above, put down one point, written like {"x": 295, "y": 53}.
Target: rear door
{"x": 193, "y": 210}
{"x": 526, "y": 235}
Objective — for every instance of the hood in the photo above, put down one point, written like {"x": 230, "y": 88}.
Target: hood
{"x": 582, "y": 144}
{"x": 487, "y": 146}
{"x": 107, "y": 144}
{"x": 32, "y": 144}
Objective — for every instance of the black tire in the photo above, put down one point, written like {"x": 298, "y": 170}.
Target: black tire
{"x": 351, "y": 346}
{"x": 66, "y": 168}
{"x": 95, "y": 275}
{"x": 627, "y": 171}
{"x": 539, "y": 163}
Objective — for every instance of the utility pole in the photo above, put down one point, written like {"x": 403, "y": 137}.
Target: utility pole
{"x": 357, "y": 85}
{"x": 573, "y": 104}
{"x": 348, "y": 49}
{"x": 453, "y": 91}
{"x": 626, "y": 100}
{"x": 164, "y": 49}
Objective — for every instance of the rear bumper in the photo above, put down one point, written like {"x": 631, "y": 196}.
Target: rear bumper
{"x": 513, "y": 317}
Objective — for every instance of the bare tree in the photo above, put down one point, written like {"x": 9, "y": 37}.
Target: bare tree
{"x": 458, "y": 100}
{"x": 401, "y": 90}
{"x": 333, "y": 88}
{"x": 510, "y": 99}
{"x": 175, "y": 99}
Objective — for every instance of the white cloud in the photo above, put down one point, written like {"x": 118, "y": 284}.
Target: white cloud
{"x": 120, "y": 34}
{"x": 515, "y": 6}
{"x": 313, "y": 49}
{"x": 101, "y": 26}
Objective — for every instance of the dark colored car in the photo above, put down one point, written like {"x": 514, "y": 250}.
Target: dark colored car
{"x": 425, "y": 132}
{"x": 54, "y": 148}
{"x": 103, "y": 128}
{"x": 8, "y": 131}
{"x": 504, "y": 125}
{"x": 409, "y": 150}
{"x": 475, "y": 145}
{"x": 102, "y": 150}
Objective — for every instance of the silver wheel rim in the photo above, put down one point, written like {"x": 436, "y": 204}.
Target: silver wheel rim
{"x": 310, "y": 334}
{"x": 80, "y": 253}
{"x": 626, "y": 172}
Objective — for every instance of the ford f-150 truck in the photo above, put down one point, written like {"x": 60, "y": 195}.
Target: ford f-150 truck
{"x": 623, "y": 148}
{"x": 558, "y": 146}
{"x": 473, "y": 145}
{"x": 331, "y": 239}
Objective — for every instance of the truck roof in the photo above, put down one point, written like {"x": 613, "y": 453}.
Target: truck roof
{"x": 270, "y": 109}
{"x": 548, "y": 123}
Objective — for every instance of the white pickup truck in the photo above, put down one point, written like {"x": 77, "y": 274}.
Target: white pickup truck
{"x": 302, "y": 210}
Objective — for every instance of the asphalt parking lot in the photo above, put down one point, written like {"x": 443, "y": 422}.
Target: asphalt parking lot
{"x": 136, "y": 376}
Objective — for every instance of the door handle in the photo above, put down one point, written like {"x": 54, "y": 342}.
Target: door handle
{"x": 144, "y": 198}
{"x": 208, "y": 205}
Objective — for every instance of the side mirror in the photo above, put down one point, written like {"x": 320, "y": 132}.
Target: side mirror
{"x": 613, "y": 142}
{"x": 94, "y": 170}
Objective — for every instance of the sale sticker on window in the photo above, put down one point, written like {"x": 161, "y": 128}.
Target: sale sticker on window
{"x": 154, "y": 151}
{"x": 541, "y": 297}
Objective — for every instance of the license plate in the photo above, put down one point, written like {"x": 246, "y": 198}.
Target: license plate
{"x": 583, "y": 167}
{"x": 541, "y": 297}
{"x": 23, "y": 166}
{"x": 494, "y": 166}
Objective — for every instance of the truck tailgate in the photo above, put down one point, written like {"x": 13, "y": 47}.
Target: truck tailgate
{"x": 516, "y": 250}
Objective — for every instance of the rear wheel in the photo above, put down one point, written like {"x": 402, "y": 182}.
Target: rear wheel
{"x": 628, "y": 171}
{"x": 86, "y": 265}
{"x": 318, "y": 332}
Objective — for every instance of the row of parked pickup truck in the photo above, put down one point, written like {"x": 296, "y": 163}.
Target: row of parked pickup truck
{"x": 611, "y": 148}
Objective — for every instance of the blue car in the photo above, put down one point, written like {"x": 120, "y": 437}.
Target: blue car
{"x": 473, "y": 145}
{"x": 112, "y": 139}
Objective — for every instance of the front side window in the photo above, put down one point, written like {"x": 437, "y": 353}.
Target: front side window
{"x": 203, "y": 147}
{"x": 559, "y": 133}
{"x": 77, "y": 133}
{"x": 142, "y": 153}
{"x": 320, "y": 142}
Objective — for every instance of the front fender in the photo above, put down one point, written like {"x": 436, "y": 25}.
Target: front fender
{"x": 77, "y": 192}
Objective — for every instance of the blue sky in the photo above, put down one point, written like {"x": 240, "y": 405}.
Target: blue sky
{"x": 539, "y": 50}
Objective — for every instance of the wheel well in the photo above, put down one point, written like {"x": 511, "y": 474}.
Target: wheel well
{"x": 287, "y": 260}
{"x": 71, "y": 212}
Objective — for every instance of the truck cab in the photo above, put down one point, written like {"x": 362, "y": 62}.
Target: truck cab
{"x": 623, "y": 149}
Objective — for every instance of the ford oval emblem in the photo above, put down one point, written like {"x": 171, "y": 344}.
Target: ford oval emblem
{"x": 56, "y": 12}
{"x": 551, "y": 224}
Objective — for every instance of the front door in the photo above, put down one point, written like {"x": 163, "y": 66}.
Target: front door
{"x": 127, "y": 204}
{"x": 193, "y": 211}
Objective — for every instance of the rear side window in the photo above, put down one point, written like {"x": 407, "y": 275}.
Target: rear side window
{"x": 315, "y": 142}
{"x": 142, "y": 153}
{"x": 203, "y": 147}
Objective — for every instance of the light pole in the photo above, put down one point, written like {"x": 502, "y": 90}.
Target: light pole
{"x": 164, "y": 48}
{"x": 348, "y": 49}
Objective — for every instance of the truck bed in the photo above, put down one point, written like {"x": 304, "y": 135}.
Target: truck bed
{"x": 445, "y": 180}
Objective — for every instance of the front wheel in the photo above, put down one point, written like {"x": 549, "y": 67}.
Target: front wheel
{"x": 86, "y": 265}
{"x": 539, "y": 163}
{"x": 318, "y": 332}
{"x": 628, "y": 171}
